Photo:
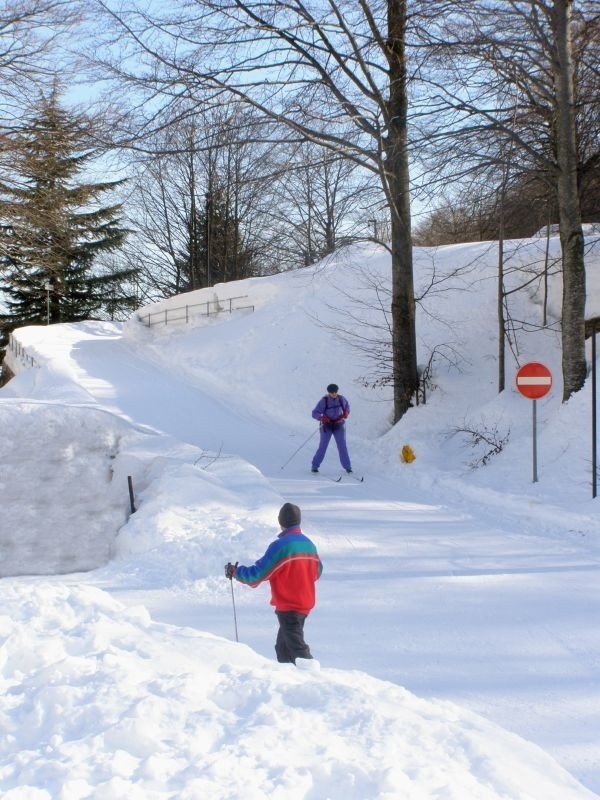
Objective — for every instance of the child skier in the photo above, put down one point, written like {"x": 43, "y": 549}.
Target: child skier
{"x": 291, "y": 564}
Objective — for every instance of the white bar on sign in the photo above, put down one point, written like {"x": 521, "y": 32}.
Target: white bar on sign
{"x": 541, "y": 381}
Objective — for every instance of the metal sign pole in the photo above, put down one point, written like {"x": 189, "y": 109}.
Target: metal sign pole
{"x": 535, "y": 475}
{"x": 594, "y": 418}
{"x": 534, "y": 380}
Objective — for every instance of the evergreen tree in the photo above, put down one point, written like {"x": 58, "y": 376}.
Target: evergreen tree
{"x": 53, "y": 226}
{"x": 227, "y": 256}
{"x": 215, "y": 251}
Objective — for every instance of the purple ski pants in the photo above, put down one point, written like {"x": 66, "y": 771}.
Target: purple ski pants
{"x": 339, "y": 434}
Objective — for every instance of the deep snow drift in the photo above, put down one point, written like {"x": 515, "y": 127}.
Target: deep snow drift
{"x": 452, "y": 584}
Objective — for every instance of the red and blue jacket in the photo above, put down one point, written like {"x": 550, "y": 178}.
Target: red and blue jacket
{"x": 291, "y": 565}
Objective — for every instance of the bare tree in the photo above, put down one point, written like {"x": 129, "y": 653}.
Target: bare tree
{"x": 30, "y": 34}
{"x": 195, "y": 204}
{"x": 315, "y": 68}
{"x": 321, "y": 201}
{"x": 508, "y": 85}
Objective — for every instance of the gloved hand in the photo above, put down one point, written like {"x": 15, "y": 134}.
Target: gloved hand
{"x": 325, "y": 419}
{"x": 230, "y": 569}
{"x": 346, "y": 414}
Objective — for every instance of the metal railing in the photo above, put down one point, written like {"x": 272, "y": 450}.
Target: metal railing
{"x": 185, "y": 313}
{"x": 17, "y": 349}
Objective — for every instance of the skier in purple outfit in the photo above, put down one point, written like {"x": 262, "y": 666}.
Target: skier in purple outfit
{"x": 332, "y": 411}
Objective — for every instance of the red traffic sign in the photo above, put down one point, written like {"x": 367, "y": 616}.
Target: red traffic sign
{"x": 534, "y": 380}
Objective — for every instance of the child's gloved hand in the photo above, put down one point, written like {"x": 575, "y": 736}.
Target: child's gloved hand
{"x": 230, "y": 570}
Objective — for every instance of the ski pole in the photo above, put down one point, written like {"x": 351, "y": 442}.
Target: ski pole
{"x": 234, "y": 614}
{"x": 298, "y": 450}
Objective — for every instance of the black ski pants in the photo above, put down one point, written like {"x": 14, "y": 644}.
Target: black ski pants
{"x": 290, "y": 643}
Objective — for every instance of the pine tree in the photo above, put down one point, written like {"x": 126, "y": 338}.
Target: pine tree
{"x": 53, "y": 226}
{"x": 214, "y": 251}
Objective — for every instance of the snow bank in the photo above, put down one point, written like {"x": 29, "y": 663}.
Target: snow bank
{"x": 99, "y": 702}
{"x": 474, "y": 585}
{"x": 61, "y": 507}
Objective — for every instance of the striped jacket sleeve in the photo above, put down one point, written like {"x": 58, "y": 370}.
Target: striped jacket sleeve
{"x": 280, "y": 552}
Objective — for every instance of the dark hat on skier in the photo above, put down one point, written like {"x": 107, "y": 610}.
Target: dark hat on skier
{"x": 332, "y": 388}
{"x": 289, "y": 515}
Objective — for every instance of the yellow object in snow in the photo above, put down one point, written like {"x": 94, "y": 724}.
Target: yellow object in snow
{"x": 408, "y": 454}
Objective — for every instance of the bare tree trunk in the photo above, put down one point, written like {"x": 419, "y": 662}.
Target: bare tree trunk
{"x": 500, "y": 301}
{"x": 546, "y": 265}
{"x": 502, "y": 333}
{"x": 571, "y": 234}
{"x": 404, "y": 350}
{"x": 193, "y": 225}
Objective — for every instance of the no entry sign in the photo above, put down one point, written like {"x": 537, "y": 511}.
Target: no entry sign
{"x": 534, "y": 380}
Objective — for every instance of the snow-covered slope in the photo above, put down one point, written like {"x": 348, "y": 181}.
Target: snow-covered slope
{"x": 468, "y": 587}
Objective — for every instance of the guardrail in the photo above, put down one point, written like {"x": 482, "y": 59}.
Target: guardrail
{"x": 181, "y": 313}
{"x": 17, "y": 349}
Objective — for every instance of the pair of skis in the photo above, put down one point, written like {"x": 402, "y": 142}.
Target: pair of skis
{"x": 357, "y": 478}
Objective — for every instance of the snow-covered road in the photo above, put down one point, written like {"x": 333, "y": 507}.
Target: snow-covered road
{"x": 416, "y": 591}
